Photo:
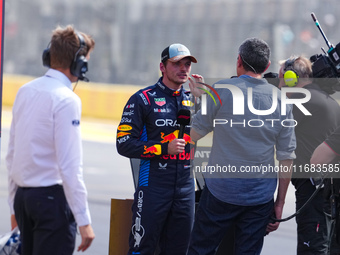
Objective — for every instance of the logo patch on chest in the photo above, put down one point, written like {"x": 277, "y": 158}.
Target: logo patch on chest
{"x": 160, "y": 101}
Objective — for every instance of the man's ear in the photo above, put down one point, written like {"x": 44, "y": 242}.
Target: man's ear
{"x": 239, "y": 62}
{"x": 267, "y": 66}
{"x": 162, "y": 67}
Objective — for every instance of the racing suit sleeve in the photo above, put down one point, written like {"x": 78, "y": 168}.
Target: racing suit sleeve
{"x": 132, "y": 139}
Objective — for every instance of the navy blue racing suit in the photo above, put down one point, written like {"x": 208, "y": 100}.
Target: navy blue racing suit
{"x": 163, "y": 207}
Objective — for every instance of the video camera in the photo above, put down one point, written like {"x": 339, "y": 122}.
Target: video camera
{"x": 325, "y": 67}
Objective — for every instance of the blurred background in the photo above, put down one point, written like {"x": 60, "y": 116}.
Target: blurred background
{"x": 130, "y": 34}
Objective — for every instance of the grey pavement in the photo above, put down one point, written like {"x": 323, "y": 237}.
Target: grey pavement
{"x": 107, "y": 175}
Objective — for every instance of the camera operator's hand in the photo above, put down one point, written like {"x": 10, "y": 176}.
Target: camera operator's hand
{"x": 195, "y": 84}
{"x": 176, "y": 146}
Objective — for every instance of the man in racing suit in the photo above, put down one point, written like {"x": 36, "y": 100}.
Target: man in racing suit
{"x": 163, "y": 207}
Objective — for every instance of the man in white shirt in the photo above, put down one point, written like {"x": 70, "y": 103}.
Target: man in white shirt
{"x": 47, "y": 194}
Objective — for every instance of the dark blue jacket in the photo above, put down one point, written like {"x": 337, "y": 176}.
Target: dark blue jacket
{"x": 148, "y": 124}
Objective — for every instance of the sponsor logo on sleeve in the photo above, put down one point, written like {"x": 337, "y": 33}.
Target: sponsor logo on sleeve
{"x": 126, "y": 120}
{"x": 154, "y": 149}
{"x": 121, "y": 134}
{"x": 123, "y": 139}
{"x": 124, "y": 128}
{"x": 129, "y": 106}
{"x": 129, "y": 113}
{"x": 143, "y": 98}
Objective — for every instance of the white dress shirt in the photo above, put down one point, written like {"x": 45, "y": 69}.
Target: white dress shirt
{"x": 45, "y": 141}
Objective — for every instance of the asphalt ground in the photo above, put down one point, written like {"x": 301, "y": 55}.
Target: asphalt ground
{"x": 107, "y": 175}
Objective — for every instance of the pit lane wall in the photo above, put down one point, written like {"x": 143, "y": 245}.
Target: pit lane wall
{"x": 99, "y": 100}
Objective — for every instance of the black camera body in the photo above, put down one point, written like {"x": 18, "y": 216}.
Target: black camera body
{"x": 326, "y": 73}
{"x": 326, "y": 69}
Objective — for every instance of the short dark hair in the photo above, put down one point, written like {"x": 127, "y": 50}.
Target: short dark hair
{"x": 255, "y": 54}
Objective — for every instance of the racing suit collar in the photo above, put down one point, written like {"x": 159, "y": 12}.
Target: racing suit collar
{"x": 167, "y": 90}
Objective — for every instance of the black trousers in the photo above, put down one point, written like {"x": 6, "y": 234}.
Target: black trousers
{"x": 45, "y": 221}
{"x": 312, "y": 230}
{"x": 162, "y": 215}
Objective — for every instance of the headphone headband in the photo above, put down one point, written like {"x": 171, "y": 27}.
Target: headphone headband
{"x": 290, "y": 76}
{"x": 78, "y": 66}
{"x": 289, "y": 64}
{"x": 81, "y": 44}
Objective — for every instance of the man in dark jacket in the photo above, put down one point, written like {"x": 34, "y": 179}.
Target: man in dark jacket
{"x": 163, "y": 206}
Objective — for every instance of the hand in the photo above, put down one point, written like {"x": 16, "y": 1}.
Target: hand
{"x": 14, "y": 223}
{"x": 278, "y": 208}
{"x": 195, "y": 84}
{"x": 87, "y": 236}
{"x": 176, "y": 146}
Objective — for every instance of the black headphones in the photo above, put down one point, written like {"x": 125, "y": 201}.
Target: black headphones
{"x": 79, "y": 64}
{"x": 290, "y": 76}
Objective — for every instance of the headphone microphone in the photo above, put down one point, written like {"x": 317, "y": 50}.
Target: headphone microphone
{"x": 78, "y": 66}
{"x": 290, "y": 76}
